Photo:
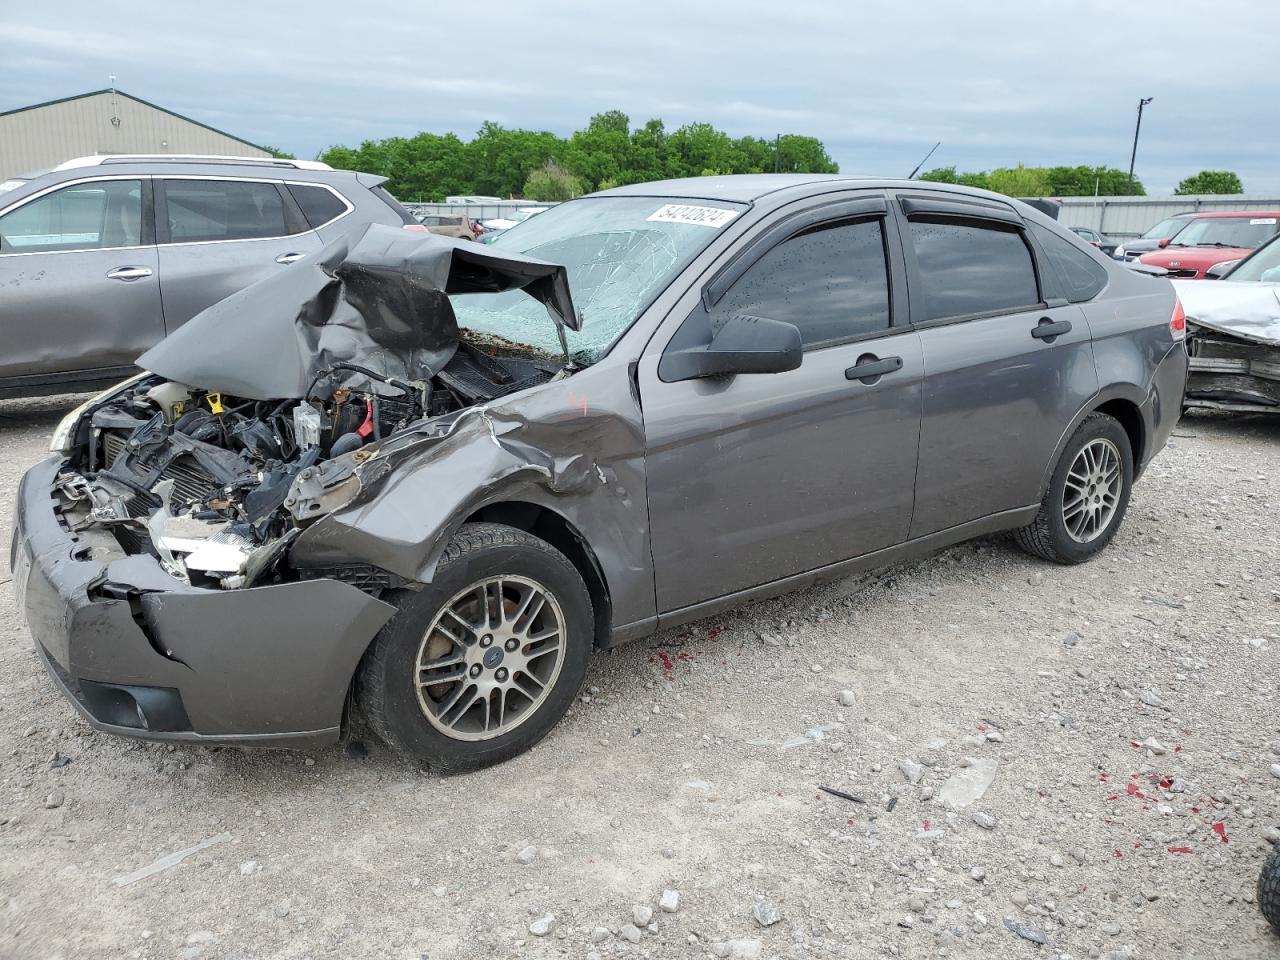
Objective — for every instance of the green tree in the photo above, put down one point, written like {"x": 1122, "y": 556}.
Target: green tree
{"x": 798, "y": 154}
{"x": 278, "y": 153}
{"x": 503, "y": 161}
{"x": 981, "y": 179}
{"x": 1020, "y": 181}
{"x": 1210, "y": 181}
{"x": 552, "y": 183}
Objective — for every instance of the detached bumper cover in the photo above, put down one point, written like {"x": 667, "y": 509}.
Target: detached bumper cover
{"x": 143, "y": 654}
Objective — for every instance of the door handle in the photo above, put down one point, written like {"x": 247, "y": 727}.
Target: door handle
{"x": 870, "y": 368}
{"x": 289, "y": 257}
{"x": 1049, "y": 330}
{"x": 128, "y": 273}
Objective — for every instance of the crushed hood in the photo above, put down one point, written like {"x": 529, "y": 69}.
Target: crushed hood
{"x": 377, "y": 297}
{"x": 1250, "y": 310}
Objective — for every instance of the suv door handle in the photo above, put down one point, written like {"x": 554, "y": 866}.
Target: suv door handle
{"x": 289, "y": 257}
{"x": 1049, "y": 330}
{"x": 128, "y": 273}
{"x": 871, "y": 368}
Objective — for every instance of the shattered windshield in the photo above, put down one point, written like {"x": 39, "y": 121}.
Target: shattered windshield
{"x": 1263, "y": 265}
{"x": 620, "y": 253}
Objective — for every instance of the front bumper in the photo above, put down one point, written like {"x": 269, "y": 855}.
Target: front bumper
{"x": 143, "y": 654}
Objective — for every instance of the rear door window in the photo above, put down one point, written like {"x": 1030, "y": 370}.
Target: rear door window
{"x": 205, "y": 210}
{"x": 319, "y": 205}
{"x": 1081, "y": 275}
{"x": 84, "y": 216}
{"x": 969, "y": 268}
{"x": 830, "y": 281}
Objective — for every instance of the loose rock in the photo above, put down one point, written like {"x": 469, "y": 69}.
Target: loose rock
{"x": 766, "y": 913}
{"x": 543, "y": 925}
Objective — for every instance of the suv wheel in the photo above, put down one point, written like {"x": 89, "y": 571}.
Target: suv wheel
{"x": 482, "y": 662}
{"x": 1087, "y": 496}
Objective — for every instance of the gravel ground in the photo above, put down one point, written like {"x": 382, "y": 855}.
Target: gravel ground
{"x": 1124, "y": 711}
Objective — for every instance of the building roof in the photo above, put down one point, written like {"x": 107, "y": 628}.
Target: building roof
{"x": 146, "y": 103}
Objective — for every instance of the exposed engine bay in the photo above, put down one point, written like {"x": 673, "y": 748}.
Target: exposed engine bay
{"x": 261, "y": 414}
{"x": 216, "y": 487}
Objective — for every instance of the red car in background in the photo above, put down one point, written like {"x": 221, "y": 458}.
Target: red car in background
{"x": 1213, "y": 238}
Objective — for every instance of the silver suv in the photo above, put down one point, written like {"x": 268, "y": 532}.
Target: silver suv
{"x": 104, "y": 256}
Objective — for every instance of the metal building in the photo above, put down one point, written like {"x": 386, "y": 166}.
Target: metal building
{"x": 105, "y": 121}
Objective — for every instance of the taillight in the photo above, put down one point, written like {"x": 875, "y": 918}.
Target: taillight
{"x": 1178, "y": 322}
{"x": 416, "y": 228}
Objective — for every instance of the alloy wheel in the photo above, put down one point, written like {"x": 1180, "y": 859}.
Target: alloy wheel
{"x": 490, "y": 657}
{"x": 1092, "y": 490}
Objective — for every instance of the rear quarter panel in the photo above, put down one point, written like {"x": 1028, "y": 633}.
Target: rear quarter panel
{"x": 1136, "y": 355}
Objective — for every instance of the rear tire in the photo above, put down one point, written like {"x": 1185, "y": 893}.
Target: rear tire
{"x": 482, "y": 662}
{"x": 1087, "y": 497}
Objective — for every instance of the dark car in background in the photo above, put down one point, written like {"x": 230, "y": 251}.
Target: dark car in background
{"x": 104, "y": 256}
{"x": 420, "y": 480}
{"x": 1096, "y": 239}
{"x": 1210, "y": 239}
{"x": 1155, "y": 238}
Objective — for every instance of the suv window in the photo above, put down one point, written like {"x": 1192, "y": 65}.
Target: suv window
{"x": 202, "y": 210}
{"x": 968, "y": 268}
{"x": 319, "y": 204}
{"x": 830, "y": 281}
{"x": 84, "y": 216}
{"x": 1081, "y": 275}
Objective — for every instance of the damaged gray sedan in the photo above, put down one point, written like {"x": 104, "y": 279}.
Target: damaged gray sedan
{"x": 419, "y": 481}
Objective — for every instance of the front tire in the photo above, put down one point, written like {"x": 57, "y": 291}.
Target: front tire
{"x": 482, "y": 662}
{"x": 1269, "y": 890}
{"x": 1087, "y": 497}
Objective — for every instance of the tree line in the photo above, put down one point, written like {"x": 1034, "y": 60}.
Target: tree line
{"x": 540, "y": 165}
{"x": 1081, "y": 181}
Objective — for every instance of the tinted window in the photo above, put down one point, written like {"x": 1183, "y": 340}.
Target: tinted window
{"x": 966, "y": 268}
{"x": 1081, "y": 275}
{"x": 382, "y": 194}
{"x": 830, "y": 282}
{"x": 86, "y": 216}
{"x": 319, "y": 205}
{"x": 223, "y": 210}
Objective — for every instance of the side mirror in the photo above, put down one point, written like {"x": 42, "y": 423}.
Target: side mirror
{"x": 1220, "y": 270}
{"x": 1165, "y": 242}
{"x": 741, "y": 344}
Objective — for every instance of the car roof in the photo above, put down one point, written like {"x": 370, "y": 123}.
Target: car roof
{"x": 88, "y": 168}
{"x": 1220, "y": 214}
{"x": 751, "y": 187}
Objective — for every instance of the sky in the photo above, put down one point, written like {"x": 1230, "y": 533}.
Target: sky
{"x": 1040, "y": 83}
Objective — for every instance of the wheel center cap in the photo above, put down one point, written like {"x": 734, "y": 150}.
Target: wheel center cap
{"x": 492, "y": 657}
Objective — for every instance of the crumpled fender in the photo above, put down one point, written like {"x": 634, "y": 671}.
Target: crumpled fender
{"x": 548, "y": 446}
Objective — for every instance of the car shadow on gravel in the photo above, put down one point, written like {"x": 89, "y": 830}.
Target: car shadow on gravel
{"x": 1252, "y": 426}
{"x": 27, "y": 412}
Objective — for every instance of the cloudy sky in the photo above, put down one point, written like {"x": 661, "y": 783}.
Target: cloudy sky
{"x": 999, "y": 83}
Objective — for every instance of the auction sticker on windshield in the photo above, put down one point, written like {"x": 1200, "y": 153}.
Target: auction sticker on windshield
{"x": 1261, "y": 221}
{"x": 687, "y": 213}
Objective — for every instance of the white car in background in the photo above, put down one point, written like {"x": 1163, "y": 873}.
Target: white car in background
{"x": 517, "y": 216}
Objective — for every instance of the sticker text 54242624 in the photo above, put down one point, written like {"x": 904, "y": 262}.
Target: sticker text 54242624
{"x": 689, "y": 213}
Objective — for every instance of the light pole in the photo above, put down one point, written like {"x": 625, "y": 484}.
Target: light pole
{"x": 1136, "y": 130}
